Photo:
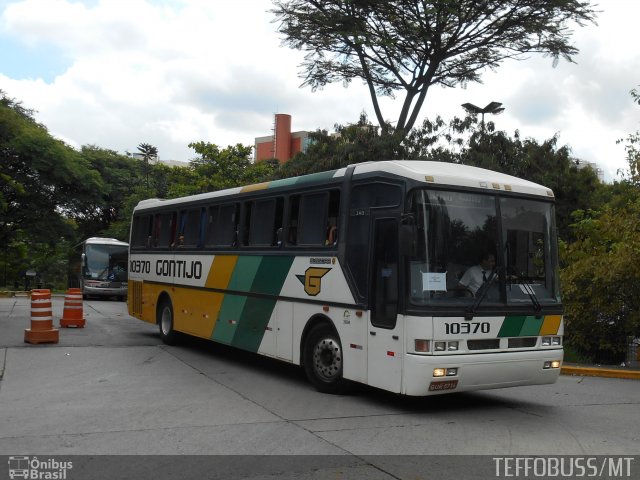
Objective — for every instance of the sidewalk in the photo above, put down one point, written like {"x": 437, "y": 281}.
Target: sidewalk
{"x": 609, "y": 371}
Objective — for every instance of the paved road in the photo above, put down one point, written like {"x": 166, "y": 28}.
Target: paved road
{"x": 113, "y": 389}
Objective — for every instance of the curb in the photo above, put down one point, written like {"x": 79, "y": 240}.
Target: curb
{"x": 600, "y": 372}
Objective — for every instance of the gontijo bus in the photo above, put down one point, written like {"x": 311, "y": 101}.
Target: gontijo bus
{"x": 355, "y": 274}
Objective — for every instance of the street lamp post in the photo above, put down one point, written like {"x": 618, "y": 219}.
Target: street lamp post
{"x": 495, "y": 108}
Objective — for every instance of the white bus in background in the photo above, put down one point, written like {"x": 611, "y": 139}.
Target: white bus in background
{"x": 359, "y": 274}
{"x": 99, "y": 267}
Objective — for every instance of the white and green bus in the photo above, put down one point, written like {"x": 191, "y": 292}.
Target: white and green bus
{"x": 362, "y": 275}
{"x": 98, "y": 266}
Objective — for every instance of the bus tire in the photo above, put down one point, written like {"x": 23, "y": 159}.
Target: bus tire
{"x": 323, "y": 360}
{"x": 165, "y": 322}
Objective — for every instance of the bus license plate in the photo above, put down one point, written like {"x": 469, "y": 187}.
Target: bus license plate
{"x": 443, "y": 385}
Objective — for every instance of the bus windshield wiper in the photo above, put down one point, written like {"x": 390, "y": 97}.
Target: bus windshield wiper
{"x": 528, "y": 289}
{"x": 484, "y": 289}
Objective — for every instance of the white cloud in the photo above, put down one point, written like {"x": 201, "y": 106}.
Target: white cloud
{"x": 176, "y": 71}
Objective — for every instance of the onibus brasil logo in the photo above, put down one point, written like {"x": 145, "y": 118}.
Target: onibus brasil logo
{"x": 35, "y": 469}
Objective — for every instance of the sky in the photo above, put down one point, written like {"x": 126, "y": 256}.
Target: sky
{"x": 118, "y": 73}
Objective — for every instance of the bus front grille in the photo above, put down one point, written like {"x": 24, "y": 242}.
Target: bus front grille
{"x": 522, "y": 342}
{"x": 488, "y": 344}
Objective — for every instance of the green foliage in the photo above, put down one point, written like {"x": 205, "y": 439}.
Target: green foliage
{"x": 149, "y": 152}
{"x": 408, "y": 46}
{"x": 632, "y": 148}
{"x": 217, "y": 169}
{"x": 354, "y": 143}
{"x": 46, "y": 187}
{"x": 544, "y": 163}
{"x": 601, "y": 279}
{"x": 121, "y": 176}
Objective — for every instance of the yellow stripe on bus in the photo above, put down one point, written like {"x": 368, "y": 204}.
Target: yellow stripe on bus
{"x": 197, "y": 311}
{"x": 254, "y": 188}
{"x": 221, "y": 271}
{"x": 551, "y": 325}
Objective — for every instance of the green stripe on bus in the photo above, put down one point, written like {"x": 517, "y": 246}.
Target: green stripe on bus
{"x": 269, "y": 280}
{"x": 233, "y": 305}
{"x": 511, "y": 326}
{"x": 531, "y": 327}
{"x": 311, "y": 178}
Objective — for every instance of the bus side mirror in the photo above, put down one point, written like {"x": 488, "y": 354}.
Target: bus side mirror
{"x": 408, "y": 236}
{"x": 84, "y": 260}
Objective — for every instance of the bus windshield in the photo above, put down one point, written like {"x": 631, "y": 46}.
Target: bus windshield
{"x": 105, "y": 262}
{"x": 476, "y": 247}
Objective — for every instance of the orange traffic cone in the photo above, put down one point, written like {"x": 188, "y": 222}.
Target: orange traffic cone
{"x": 41, "y": 330}
{"x": 72, "y": 315}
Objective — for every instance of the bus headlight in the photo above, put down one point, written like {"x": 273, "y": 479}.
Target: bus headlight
{"x": 556, "y": 340}
{"x": 452, "y": 346}
{"x": 445, "y": 372}
{"x": 551, "y": 364}
{"x": 440, "y": 346}
{"x": 546, "y": 341}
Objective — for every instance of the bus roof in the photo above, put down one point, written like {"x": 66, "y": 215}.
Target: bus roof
{"x": 429, "y": 173}
{"x": 104, "y": 241}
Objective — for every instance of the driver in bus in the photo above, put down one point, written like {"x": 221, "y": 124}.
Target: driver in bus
{"x": 477, "y": 275}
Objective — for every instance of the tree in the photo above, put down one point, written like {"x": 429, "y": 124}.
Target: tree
{"x": 409, "y": 45}
{"x": 44, "y": 182}
{"x": 352, "y": 143}
{"x": 544, "y": 163}
{"x": 121, "y": 176}
{"x": 632, "y": 148}
{"x": 601, "y": 268}
{"x": 149, "y": 152}
{"x": 601, "y": 279}
{"x": 46, "y": 188}
{"x": 220, "y": 168}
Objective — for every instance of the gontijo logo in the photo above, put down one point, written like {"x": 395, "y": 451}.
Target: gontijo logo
{"x": 311, "y": 280}
{"x": 32, "y": 468}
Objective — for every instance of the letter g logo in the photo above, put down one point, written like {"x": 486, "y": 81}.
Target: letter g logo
{"x": 311, "y": 280}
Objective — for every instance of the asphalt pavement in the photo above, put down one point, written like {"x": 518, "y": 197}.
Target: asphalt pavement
{"x": 14, "y": 318}
{"x": 112, "y": 388}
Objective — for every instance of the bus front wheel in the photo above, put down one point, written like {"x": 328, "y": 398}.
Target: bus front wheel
{"x": 323, "y": 360}
{"x": 165, "y": 322}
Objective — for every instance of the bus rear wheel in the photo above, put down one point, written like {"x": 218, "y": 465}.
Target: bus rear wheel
{"x": 165, "y": 323}
{"x": 323, "y": 360}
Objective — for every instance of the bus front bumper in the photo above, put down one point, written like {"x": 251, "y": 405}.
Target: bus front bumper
{"x": 478, "y": 371}
{"x": 105, "y": 291}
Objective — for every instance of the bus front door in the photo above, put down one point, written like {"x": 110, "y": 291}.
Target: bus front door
{"x": 385, "y": 347}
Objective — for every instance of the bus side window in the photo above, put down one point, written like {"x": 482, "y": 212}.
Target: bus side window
{"x": 202, "y": 234}
{"x": 189, "y": 228}
{"x": 292, "y": 228}
{"x": 141, "y": 231}
{"x": 365, "y": 199}
{"x": 277, "y": 229}
{"x": 164, "y": 230}
{"x": 266, "y": 219}
{"x": 212, "y": 218}
{"x": 332, "y": 221}
{"x": 312, "y": 219}
{"x": 225, "y": 229}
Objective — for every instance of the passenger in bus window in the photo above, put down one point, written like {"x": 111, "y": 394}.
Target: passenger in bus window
{"x": 477, "y": 275}
{"x": 332, "y": 233}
